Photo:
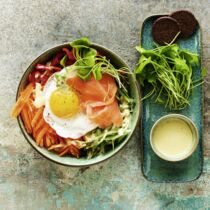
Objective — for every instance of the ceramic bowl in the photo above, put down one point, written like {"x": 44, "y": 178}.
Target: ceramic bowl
{"x": 71, "y": 161}
{"x": 193, "y": 131}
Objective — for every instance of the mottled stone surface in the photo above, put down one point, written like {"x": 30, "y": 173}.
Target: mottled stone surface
{"x": 27, "y": 180}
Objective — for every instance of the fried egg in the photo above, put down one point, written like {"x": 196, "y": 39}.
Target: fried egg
{"x": 62, "y": 110}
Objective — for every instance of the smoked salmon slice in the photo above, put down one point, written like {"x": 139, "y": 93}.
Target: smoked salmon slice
{"x": 98, "y": 99}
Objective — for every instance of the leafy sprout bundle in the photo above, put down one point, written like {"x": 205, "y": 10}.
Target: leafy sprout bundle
{"x": 168, "y": 70}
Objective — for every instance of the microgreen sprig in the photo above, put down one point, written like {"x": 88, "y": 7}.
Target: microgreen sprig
{"x": 169, "y": 71}
{"x": 89, "y": 61}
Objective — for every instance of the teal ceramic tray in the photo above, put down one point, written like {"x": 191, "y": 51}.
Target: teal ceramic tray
{"x": 154, "y": 168}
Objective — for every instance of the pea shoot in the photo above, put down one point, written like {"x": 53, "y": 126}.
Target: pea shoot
{"x": 168, "y": 69}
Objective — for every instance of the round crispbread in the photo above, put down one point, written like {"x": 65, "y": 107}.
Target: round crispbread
{"x": 165, "y": 29}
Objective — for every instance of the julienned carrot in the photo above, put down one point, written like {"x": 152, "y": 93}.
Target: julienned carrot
{"x": 74, "y": 151}
{"x": 37, "y": 116}
{"x": 39, "y": 124}
{"x": 33, "y": 120}
{"x": 51, "y": 131}
{"x": 24, "y": 96}
{"x": 39, "y": 137}
{"x": 53, "y": 137}
{"x": 26, "y": 119}
{"x": 30, "y": 109}
{"x": 64, "y": 151}
{"x": 48, "y": 141}
{"x": 34, "y": 123}
{"x": 61, "y": 140}
{"x": 56, "y": 146}
{"x": 61, "y": 148}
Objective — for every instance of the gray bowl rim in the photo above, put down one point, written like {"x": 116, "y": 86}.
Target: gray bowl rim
{"x": 120, "y": 146}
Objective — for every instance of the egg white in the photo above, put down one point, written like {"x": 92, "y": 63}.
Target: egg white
{"x": 74, "y": 127}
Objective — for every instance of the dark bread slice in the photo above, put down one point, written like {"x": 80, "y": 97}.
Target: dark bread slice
{"x": 187, "y": 22}
{"x": 165, "y": 29}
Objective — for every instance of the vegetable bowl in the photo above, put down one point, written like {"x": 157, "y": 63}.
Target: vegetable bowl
{"x": 81, "y": 103}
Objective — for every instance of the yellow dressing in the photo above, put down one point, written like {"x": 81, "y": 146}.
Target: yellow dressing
{"x": 64, "y": 103}
{"x": 172, "y": 138}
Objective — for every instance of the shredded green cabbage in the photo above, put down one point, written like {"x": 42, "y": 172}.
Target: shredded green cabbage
{"x": 100, "y": 140}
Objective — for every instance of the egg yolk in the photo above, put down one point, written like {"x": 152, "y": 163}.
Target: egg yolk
{"x": 64, "y": 103}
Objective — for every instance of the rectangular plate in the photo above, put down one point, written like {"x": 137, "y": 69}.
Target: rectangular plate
{"x": 154, "y": 168}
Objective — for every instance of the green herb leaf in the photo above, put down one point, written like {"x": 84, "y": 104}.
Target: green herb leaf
{"x": 83, "y": 42}
{"x": 191, "y": 58}
{"x": 147, "y": 53}
{"x": 63, "y": 61}
{"x": 142, "y": 64}
{"x": 145, "y": 73}
{"x": 180, "y": 65}
{"x": 171, "y": 51}
{"x": 97, "y": 72}
{"x": 84, "y": 73}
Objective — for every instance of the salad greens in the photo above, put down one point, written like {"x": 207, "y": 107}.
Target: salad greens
{"x": 168, "y": 69}
{"x": 89, "y": 61}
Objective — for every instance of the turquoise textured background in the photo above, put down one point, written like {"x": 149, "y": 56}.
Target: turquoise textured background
{"x": 30, "y": 182}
